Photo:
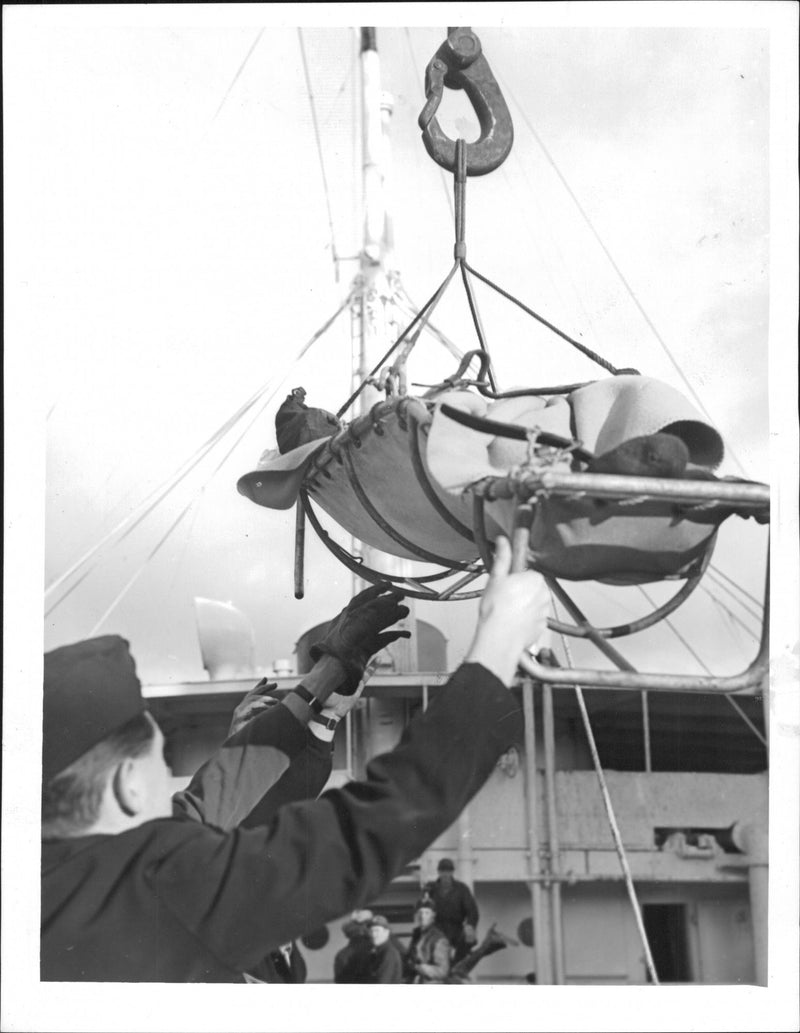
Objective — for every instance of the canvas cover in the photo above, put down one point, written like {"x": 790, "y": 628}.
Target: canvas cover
{"x": 400, "y": 480}
{"x": 580, "y": 539}
{"x": 377, "y": 453}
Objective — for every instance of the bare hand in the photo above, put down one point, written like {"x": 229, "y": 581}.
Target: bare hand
{"x": 512, "y": 615}
{"x": 338, "y": 705}
{"x": 255, "y": 702}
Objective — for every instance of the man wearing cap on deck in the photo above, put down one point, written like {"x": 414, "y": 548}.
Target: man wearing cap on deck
{"x": 456, "y": 910}
{"x": 429, "y": 952}
{"x": 132, "y": 893}
{"x": 386, "y": 965}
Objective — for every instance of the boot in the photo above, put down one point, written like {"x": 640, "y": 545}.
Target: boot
{"x": 492, "y": 942}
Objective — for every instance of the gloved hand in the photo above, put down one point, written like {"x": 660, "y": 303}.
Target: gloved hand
{"x": 255, "y": 702}
{"x": 358, "y": 632}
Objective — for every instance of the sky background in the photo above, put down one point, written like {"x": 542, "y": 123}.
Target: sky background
{"x": 167, "y": 252}
{"x": 177, "y": 249}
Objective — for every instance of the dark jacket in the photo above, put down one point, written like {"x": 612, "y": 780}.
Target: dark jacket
{"x": 352, "y": 963}
{"x": 454, "y": 907}
{"x": 179, "y": 900}
{"x": 386, "y": 965}
{"x": 276, "y": 969}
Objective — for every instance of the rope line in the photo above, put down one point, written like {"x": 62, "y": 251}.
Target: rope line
{"x": 676, "y": 633}
{"x": 161, "y": 491}
{"x": 69, "y": 591}
{"x": 730, "y": 614}
{"x": 477, "y": 322}
{"x": 150, "y": 509}
{"x": 612, "y": 820}
{"x": 423, "y": 314}
{"x": 751, "y": 613}
{"x": 617, "y": 269}
{"x": 550, "y": 326}
{"x": 313, "y": 107}
{"x": 707, "y": 669}
{"x": 121, "y": 595}
{"x": 753, "y": 728}
{"x": 198, "y": 503}
{"x": 129, "y": 523}
{"x": 339, "y": 92}
{"x": 410, "y": 309}
{"x": 235, "y": 79}
{"x": 552, "y": 246}
{"x": 189, "y": 505}
{"x": 730, "y": 580}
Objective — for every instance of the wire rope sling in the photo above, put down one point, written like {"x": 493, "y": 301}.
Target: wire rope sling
{"x": 614, "y": 476}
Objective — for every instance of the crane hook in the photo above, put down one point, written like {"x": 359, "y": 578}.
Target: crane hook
{"x": 459, "y": 64}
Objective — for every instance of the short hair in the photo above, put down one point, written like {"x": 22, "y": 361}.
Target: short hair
{"x": 71, "y": 800}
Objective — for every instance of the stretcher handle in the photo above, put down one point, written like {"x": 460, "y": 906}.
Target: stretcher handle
{"x": 520, "y": 537}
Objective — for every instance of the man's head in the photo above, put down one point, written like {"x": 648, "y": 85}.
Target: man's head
{"x": 446, "y": 868}
{"x": 379, "y": 930}
{"x": 102, "y": 753}
{"x": 426, "y": 913}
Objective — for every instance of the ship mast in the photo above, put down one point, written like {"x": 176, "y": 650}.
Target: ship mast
{"x": 376, "y": 320}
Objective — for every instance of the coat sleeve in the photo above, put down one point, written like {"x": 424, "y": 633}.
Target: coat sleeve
{"x": 245, "y": 768}
{"x": 246, "y": 892}
{"x": 304, "y": 779}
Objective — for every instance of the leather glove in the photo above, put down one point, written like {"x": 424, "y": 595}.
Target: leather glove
{"x": 358, "y": 632}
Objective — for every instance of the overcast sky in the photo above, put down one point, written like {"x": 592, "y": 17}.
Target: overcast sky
{"x": 175, "y": 253}
{"x": 168, "y": 251}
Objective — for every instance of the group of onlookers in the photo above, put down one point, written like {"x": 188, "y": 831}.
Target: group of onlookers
{"x": 443, "y": 936}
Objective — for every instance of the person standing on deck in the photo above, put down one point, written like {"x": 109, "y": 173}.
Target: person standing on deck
{"x": 456, "y": 910}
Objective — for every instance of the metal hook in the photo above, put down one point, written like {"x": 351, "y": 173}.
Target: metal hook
{"x": 485, "y": 365}
{"x": 459, "y": 64}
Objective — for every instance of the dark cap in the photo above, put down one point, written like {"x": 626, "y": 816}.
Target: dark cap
{"x": 380, "y": 920}
{"x": 425, "y": 901}
{"x": 90, "y": 690}
{"x": 445, "y": 865}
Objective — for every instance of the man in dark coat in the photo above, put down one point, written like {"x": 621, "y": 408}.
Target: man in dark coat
{"x": 352, "y": 962}
{"x": 132, "y": 892}
{"x": 284, "y": 965}
{"x": 386, "y": 965}
{"x": 456, "y": 910}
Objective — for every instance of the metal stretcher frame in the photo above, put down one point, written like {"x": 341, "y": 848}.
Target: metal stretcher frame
{"x": 741, "y": 497}
{"x": 745, "y": 683}
{"x": 744, "y": 498}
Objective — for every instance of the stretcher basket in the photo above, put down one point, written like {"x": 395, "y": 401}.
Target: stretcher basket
{"x": 410, "y": 480}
